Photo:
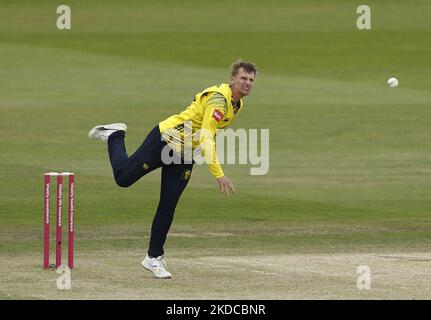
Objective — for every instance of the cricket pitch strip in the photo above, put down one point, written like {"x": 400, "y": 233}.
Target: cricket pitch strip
{"x": 110, "y": 274}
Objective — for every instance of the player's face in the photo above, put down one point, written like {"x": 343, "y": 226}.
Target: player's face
{"x": 242, "y": 82}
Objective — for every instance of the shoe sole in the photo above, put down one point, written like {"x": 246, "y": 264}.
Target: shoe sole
{"x": 112, "y": 126}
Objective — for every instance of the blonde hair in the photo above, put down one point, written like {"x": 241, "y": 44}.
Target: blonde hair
{"x": 248, "y": 67}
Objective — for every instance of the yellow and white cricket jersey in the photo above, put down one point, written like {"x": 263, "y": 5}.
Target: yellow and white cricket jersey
{"x": 210, "y": 110}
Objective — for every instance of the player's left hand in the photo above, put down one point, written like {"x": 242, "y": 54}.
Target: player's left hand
{"x": 226, "y": 186}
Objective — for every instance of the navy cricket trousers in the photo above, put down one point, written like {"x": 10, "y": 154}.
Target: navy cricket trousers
{"x": 127, "y": 170}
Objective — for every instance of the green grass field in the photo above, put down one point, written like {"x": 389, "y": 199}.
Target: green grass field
{"x": 349, "y": 179}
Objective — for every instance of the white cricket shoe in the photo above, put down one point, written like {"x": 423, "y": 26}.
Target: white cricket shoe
{"x": 157, "y": 266}
{"x": 103, "y": 131}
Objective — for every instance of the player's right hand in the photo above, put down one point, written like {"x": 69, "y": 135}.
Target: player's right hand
{"x": 226, "y": 186}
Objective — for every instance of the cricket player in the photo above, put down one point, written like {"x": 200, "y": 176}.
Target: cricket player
{"x": 171, "y": 145}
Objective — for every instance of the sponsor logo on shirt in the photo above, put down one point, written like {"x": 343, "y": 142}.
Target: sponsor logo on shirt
{"x": 217, "y": 115}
